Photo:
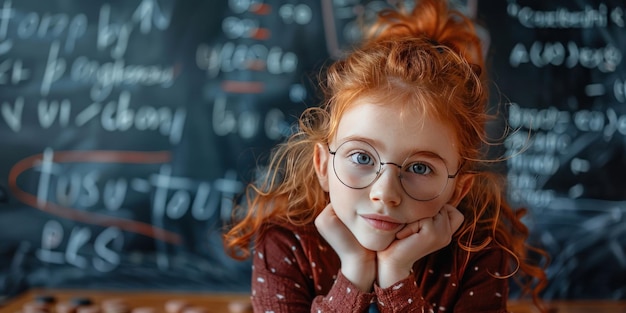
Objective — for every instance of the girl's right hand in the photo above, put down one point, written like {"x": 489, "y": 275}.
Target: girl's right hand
{"x": 358, "y": 264}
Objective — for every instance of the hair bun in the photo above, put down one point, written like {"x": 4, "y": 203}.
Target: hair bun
{"x": 435, "y": 22}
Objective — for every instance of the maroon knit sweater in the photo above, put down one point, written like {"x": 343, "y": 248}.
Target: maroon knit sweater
{"x": 295, "y": 270}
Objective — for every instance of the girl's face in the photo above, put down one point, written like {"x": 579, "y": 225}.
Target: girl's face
{"x": 377, "y": 207}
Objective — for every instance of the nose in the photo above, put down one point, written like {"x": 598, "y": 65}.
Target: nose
{"x": 386, "y": 187}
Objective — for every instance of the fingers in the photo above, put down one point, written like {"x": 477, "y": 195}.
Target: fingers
{"x": 447, "y": 221}
{"x": 409, "y": 229}
{"x": 454, "y": 216}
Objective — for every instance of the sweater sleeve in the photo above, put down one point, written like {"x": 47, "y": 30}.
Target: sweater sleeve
{"x": 343, "y": 297}
{"x": 286, "y": 278}
{"x": 403, "y": 296}
{"x": 481, "y": 287}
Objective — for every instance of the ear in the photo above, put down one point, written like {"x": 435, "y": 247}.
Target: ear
{"x": 463, "y": 186}
{"x": 320, "y": 162}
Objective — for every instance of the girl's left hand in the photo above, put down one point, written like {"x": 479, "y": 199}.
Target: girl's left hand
{"x": 415, "y": 241}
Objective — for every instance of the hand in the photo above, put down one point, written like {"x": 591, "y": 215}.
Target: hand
{"x": 415, "y": 241}
{"x": 357, "y": 263}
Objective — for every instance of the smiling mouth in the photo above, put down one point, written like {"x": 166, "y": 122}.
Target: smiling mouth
{"x": 382, "y": 224}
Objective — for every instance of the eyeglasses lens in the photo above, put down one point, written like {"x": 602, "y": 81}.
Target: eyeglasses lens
{"x": 357, "y": 165}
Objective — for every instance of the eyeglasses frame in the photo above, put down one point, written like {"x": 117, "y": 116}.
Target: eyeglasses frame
{"x": 380, "y": 170}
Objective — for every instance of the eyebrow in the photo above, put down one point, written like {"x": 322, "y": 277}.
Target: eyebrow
{"x": 429, "y": 155}
{"x": 377, "y": 143}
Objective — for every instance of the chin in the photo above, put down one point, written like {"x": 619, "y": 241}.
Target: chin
{"x": 375, "y": 244}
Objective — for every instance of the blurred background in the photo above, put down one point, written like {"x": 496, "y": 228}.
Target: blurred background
{"x": 129, "y": 129}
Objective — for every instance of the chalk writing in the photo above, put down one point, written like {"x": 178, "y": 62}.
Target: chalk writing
{"x": 112, "y": 74}
{"x": 12, "y": 113}
{"x": 252, "y": 59}
{"x": 81, "y": 246}
{"x": 103, "y": 76}
{"x": 300, "y": 14}
{"x": 37, "y": 25}
{"x": 342, "y": 22}
{"x": 607, "y": 122}
{"x": 246, "y": 123}
{"x": 83, "y": 189}
{"x": 229, "y": 57}
{"x": 114, "y": 116}
{"x": 550, "y": 138}
{"x": 173, "y": 199}
{"x": 117, "y": 35}
{"x": 540, "y": 54}
{"x": 173, "y": 196}
{"x": 13, "y": 72}
{"x": 589, "y": 17}
{"x": 549, "y": 118}
{"x": 64, "y": 31}
{"x": 79, "y": 195}
{"x": 619, "y": 90}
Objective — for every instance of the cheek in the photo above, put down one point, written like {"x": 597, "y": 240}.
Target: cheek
{"x": 345, "y": 200}
{"x": 335, "y": 190}
{"x": 427, "y": 209}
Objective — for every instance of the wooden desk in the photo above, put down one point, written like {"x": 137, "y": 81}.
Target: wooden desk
{"x": 575, "y": 306}
{"x": 219, "y": 303}
{"x": 212, "y": 302}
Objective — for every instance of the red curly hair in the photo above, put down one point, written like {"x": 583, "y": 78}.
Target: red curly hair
{"x": 431, "y": 60}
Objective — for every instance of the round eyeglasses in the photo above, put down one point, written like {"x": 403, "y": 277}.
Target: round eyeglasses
{"x": 423, "y": 175}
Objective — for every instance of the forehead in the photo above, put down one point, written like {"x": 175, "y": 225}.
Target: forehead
{"x": 397, "y": 130}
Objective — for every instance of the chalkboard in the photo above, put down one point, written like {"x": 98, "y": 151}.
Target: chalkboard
{"x": 128, "y": 130}
{"x": 559, "y": 65}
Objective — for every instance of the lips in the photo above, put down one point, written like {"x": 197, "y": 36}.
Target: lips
{"x": 382, "y": 222}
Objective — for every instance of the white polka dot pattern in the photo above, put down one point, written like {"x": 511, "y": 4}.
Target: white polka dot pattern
{"x": 302, "y": 266}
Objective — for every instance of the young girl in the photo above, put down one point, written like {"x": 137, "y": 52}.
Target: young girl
{"x": 382, "y": 200}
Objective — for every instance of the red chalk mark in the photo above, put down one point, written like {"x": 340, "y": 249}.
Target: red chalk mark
{"x": 256, "y": 65}
{"x": 126, "y": 157}
{"x": 261, "y": 8}
{"x": 261, "y": 34}
{"x": 234, "y": 86}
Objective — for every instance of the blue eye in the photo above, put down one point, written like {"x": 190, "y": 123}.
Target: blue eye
{"x": 361, "y": 158}
{"x": 419, "y": 168}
